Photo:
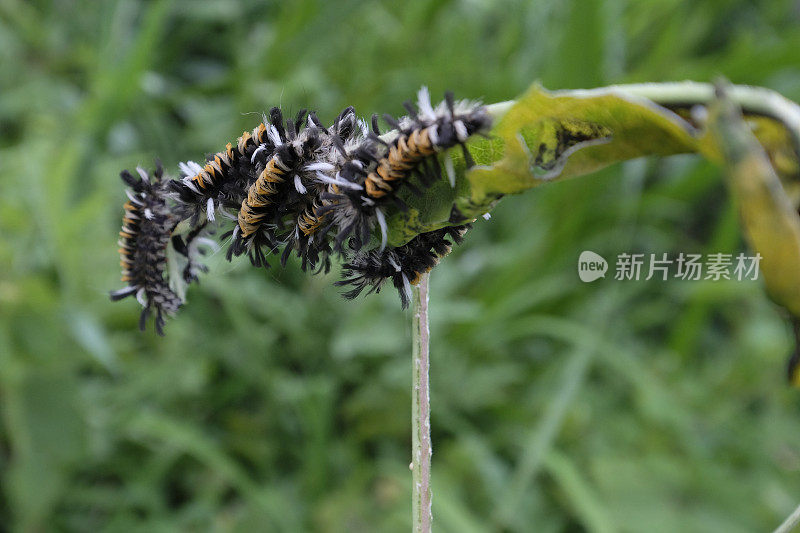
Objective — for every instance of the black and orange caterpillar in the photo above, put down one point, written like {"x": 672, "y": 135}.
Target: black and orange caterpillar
{"x": 381, "y": 167}
{"x": 402, "y": 265}
{"x": 220, "y": 182}
{"x": 146, "y": 229}
{"x": 279, "y": 189}
{"x": 300, "y": 187}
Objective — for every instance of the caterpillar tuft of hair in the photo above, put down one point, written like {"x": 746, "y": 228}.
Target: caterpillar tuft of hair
{"x": 296, "y": 186}
{"x": 146, "y": 229}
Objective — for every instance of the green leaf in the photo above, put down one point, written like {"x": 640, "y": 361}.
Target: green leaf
{"x": 571, "y": 133}
{"x": 547, "y": 136}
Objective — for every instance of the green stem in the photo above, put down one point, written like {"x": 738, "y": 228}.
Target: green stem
{"x": 790, "y": 523}
{"x": 421, "y": 449}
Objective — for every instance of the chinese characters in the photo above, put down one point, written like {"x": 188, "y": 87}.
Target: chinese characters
{"x": 692, "y": 267}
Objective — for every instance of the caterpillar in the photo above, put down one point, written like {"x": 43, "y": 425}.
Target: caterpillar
{"x": 371, "y": 179}
{"x": 403, "y": 265}
{"x": 146, "y": 229}
{"x": 202, "y": 190}
{"x": 278, "y": 191}
{"x": 313, "y": 221}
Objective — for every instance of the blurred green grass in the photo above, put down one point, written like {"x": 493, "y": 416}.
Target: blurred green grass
{"x": 274, "y": 405}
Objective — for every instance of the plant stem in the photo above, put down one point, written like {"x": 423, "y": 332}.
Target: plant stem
{"x": 421, "y": 449}
{"x": 790, "y": 523}
{"x": 757, "y": 100}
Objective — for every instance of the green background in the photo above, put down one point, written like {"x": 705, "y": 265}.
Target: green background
{"x": 274, "y": 405}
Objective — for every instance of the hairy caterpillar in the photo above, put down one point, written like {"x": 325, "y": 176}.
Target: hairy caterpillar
{"x": 420, "y": 136}
{"x": 279, "y": 187}
{"x": 146, "y": 229}
{"x": 403, "y": 265}
{"x": 378, "y": 168}
{"x": 219, "y": 183}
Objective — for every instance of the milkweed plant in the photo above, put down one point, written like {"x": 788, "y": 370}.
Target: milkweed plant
{"x": 389, "y": 197}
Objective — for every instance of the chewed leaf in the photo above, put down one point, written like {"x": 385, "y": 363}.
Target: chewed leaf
{"x": 564, "y": 134}
{"x": 545, "y": 136}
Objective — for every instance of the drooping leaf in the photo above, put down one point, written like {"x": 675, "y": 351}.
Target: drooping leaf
{"x": 548, "y": 136}
{"x": 769, "y": 219}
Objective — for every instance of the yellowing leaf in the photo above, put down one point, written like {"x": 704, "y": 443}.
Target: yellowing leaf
{"x": 547, "y": 136}
{"x": 770, "y": 221}
{"x": 564, "y": 134}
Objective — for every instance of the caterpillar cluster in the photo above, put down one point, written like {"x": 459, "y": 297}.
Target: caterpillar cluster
{"x": 296, "y": 186}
